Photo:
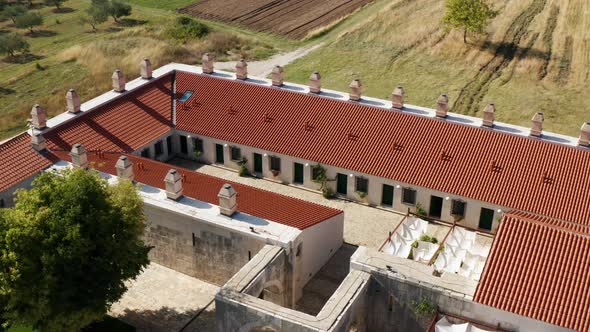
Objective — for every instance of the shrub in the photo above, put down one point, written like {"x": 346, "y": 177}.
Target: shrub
{"x": 328, "y": 192}
{"x": 243, "y": 171}
{"x": 361, "y": 194}
{"x": 186, "y": 28}
{"x": 420, "y": 210}
{"x": 424, "y": 308}
{"x": 221, "y": 42}
{"x": 12, "y": 43}
{"x": 428, "y": 238}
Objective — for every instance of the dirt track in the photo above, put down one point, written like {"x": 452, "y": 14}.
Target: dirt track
{"x": 292, "y": 18}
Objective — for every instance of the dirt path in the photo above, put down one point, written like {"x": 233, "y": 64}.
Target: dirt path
{"x": 264, "y": 68}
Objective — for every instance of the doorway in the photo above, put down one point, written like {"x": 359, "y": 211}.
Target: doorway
{"x": 297, "y": 173}
{"x": 257, "y": 163}
{"x": 486, "y": 219}
{"x": 341, "y": 184}
{"x": 219, "y": 154}
{"x": 436, "y": 204}
{"x": 387, "y": 195}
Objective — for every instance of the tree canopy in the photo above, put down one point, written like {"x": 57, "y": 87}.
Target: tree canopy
{"x": 29, "y": 21}
{"x": 119, "y": 9}
{"x": 469, "y": 15}
{"x": 95, "y": 15}
{"x": 13, "y": 11}
{"x": 66, "y": 249}
{"x": 56, "y": 3}
{"x": 12, "y": 43}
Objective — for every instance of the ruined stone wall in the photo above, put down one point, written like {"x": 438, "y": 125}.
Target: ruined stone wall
{"x": 195, "y": 248}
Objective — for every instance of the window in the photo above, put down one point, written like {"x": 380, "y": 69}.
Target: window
{"x": 183, "y": 144}
{"x": 409, "y": 196}
{"x": 236, "y": 153}
{"x": 362, "y": 185}
{"x": 185, "y": 96}
{"x": 458, "y": 208}
{"x": 169, "y": 144}
{"x": 159, "y": 148}
{"x": 1, "y": 203}
{"x": 275, "y": 164}
{"x": 198, "y": 146}
{"x": 317, "y": 172}
{"x": 145, "y": 153}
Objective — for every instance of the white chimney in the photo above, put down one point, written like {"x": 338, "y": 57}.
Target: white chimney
{"x": 585, "y": 135}
{"x": 208, "y": 62}
{"x": 277, "y": 76}
{"x": 38, "y": 117}
{"x": 73, "y": 101}
{"x": 118, "y": 81}
{"x": 124, "y": 168}
{"x": 145, "y": 69}
{"x": 537, "y": 128}
{"x": 228, "y": 204}
{"x": 173, "y": 182}
{"x": 315, "y": 82}
{"x": 489, "y": 115}
{"x": 242, "y": 70}
{"x": 38, "y": 142}
{"x": 397, "y": 97}
{"x": 79, "y": 156}
{"x": 355, "y": 90}
{"x": 442, "y": 106}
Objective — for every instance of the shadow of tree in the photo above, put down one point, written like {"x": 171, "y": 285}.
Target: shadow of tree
{"x": 114, "y": 29}
{"x": 64, "y": 10}
{"x": 41, "y": 33}
{"x": 22, "y": 58}
{"x": 510, "y": 50}
{"x": 163, "y": 319}
{"x": 205, "y": 322}
{"x": 6, "y": 91}
{"x": 3, "y": 31}
{"x": 131, "y": 22}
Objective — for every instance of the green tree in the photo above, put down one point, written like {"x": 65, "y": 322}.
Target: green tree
{"x": 95, "y": 15}
{"x": 67, "y": 248}
{"x": 29, "y": 21}
{"x": 119, "y": 9}
{"x": 56, "y": 3}
{"x": 469, "y": 15}
{"x": 12, "y": 43}
{"x": 14, "y": 11}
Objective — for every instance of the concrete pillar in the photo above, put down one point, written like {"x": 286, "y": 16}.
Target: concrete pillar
{"x": 277, "y": 76}
{"x": 489, "y": 115}
{"x": 446, "y": 209}
{"x": 355, "y": 90}
{"x": 351, "y": 188}
{"x": 537, "y": 125}
{"x": 174, "y": 186}
{"x": 124, "y": 168}
{"x": 242, "y": 70}
{"x": 119, "y": 81}
{"x": 585, "y": 135}
{"x": 73, "y": 101}
{"x": 442, "y": 106}
{"x": 315, "y": 82}
{"x": 266, "y": 166}
{"x": 208, "y": 63}
{"x": 38, "y": 117}
{"x": 190, "y": 146}
{"x": 38, "y": 142}
{"x": 307, "y": 173}
{"x": 145, "y": 69}
{"x": 397, "y": 98}
{"x": 79, "y": 156}
{"x": 227, "y": 200}
{"x": 226, "y": 154}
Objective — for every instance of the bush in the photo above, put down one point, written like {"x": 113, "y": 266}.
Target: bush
{"x": 428, "y": 238}
{"x": 328, "y": 192}
{"x": 186, "y": 28}
{"x": 221, "y": 42}
{"x": 424, "y": 308}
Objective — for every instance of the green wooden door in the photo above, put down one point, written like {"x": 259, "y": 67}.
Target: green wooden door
{"x": 486, "y": 219}
{"x": 219, "y": 154}
{"x": 341, "y": 184}
{"x": 387, "y": 197}
{"x": 298, "y": 173}
{"x": 257, "y": 163}
{"x": 436, "y": 204}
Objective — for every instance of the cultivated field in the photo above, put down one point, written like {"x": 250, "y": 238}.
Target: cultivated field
{"x": 535, "y": 57}
{"x": 293, "y": 18}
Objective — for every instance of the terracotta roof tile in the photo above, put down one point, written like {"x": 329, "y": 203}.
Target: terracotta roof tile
{"x": 18, "y": 161}
{"x": 539, "y": 268}
{"x": 264, "y": 204}
{"x": 530, "y": 174}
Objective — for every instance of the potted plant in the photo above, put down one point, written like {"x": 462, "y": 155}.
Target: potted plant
{"x": 275, "y": 172}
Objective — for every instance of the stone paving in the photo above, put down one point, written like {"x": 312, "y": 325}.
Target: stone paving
{"x": 161, "y": 299}
{"x": 363, "y": 225}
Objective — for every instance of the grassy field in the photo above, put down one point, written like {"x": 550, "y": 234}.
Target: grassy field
{"x": 535, "y": 57}
{"x": 162, "y": 4}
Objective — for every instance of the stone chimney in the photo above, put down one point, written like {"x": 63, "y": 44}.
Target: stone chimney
{"x": 79, "y": 156}
{"x": 38, "y": 117}
{"x": 208, "y": 61}
{"x": 173, "y": 182}
{"x": 73, "y": 101}
{"x": 585, "y": 135}
{"x": 537, "y": 128}
{"x": 38, "y": 142}
{"x": 242, "y": 70}
{"x": 442, "y": 106}
{"x": 489, "y": 115}
{"x": 118, "y": 81}
{"x": 397, "y": 97}
{"x": 315, "y": 82}
{"x": 145, "y": 69}
{"x": 124, "y": 168}
{"x": 277, "y": 76}
{"x": 227, "y": 200}
{"x": 355, "y": 90}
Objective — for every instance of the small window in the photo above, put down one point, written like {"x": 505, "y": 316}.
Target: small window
{"x": 169, "y": 144}
{"x": 275, "y": 164}
{"x": 185, "y": 96}
{"x": 409, "y": 196}
{"x": 159, "y": 148}
{"x": 145, "y": 153}
{"x": 317, "y": 172}
{"x": 362, "y": 185}
{"x": 198, "y": 145}
{"x": 183, "y": 144}
{"x": 458, "y": 208}
{"x": 236, "y": 153}
{"x": 2, "y": 203}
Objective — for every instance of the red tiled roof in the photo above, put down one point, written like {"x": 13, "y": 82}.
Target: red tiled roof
{"x": 531, "y": 174}
{"x": 260, "y": 203}
{"x": 125, "y": 124}
{"x": 539, "y": 268}
{"x": 19, "y": 161}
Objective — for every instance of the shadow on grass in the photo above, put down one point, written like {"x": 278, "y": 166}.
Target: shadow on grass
{"x": 114, "y": 29}
{"x": 40, "y": 33}
{"x": 510, "y": 50}
{"x": 63, "y": 10}
{"x": 131, "y": 22}
{"x": 6, "y": 91}
{"x": 22, "y": 58}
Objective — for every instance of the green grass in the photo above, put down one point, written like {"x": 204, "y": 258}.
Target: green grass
{"x": 21, "y": 329}
{"x": 108, "y": 324}
{"x": 162, "y": 4}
